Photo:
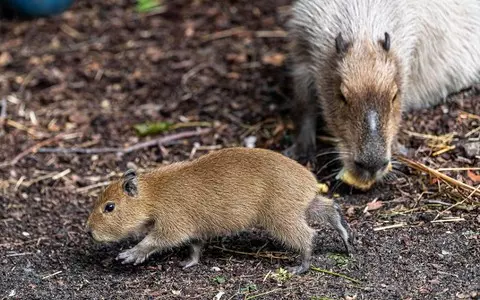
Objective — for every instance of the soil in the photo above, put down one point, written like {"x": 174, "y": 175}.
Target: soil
{"x": 86, "y": 77}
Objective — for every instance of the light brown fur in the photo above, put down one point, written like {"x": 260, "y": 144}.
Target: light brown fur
{"x": 220, "y": 193}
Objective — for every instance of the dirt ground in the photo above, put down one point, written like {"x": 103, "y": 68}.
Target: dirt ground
{"x": 85, "y": 78}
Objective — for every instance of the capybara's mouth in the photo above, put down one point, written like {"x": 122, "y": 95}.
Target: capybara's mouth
{"x": 98, "y": 238}
{"x": 361, "y": 182}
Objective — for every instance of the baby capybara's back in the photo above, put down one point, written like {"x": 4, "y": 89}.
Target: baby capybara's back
{"x": 258, "y": 187}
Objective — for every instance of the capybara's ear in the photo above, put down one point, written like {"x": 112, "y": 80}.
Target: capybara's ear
{"x": 130, "y": 183}
{"x": 341, "y": 45}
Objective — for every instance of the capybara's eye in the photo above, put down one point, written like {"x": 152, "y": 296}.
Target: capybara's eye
{"x": 394, "y": 97}
{"x": 342, "y": 97}
{"x": 109, "y": 207}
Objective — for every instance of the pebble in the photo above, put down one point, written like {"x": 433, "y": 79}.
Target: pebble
{"x": 250, "y": 141}
{"x": 472, "y": 149}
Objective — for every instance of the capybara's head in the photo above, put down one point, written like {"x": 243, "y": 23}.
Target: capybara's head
{"x": 118, "y": 212}
{"x": 365, "y": 108}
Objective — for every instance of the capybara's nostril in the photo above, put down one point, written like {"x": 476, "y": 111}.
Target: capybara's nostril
{"x": 371, "y": 166}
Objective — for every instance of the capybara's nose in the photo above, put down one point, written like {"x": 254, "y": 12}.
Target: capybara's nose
{"x": 371, "y": 166}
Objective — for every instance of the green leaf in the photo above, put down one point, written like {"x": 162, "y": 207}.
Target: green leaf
{"x": 281, "y": 275}
{"x": 252, "y": 287}
{"x": 152, "y": 128}
{"x": 147, "y": 5}
{"x": 340, "y": 260}
{"x": 219, "y": 279}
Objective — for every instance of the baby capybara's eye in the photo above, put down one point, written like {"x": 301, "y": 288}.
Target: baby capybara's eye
{"x": 109, "y": 207}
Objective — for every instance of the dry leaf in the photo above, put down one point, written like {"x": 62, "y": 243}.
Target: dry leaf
{"x": 374, "y": 205}
{"x": 473, "y": 176}
{"x": 154, "y": 54}
{"x": 233, "y": 75}
{"x": 5, "y": 59}
{"x": 350, "y": 211}
{"x": 189, "y": 29}
{"x": 275, "y": 59}
{"x": 237, "y": 58}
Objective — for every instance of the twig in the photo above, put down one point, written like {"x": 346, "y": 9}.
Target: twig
{"x": 447, "y": 179}
{"x": 51, "y": 275}
{"x": 61, "y": 174}
{"x": 135, "y": 147}
{"x": 7, "y": 245}
{"x": 336, "y": 274}
{"x": 459, "y": 169}
{"x": 20, "y": 126}
{"x": 457, "y": 204}
{"x": 266, "y": 276}
{"x": 19, "y": 254}
{"x": 38, "y": 179}
{"x": 469, "y": 115}
{"x": 445, "y": 137}
{"x": 240, "y": 30}
{"x": 3, "y": 112}
{"x": 266, "y": 255}
{"x": 224, "y": 34}
{"x": 448, "y": 220}
{"x": 19, "y": 182}
{"x": 93, "y": 186}
{"x": 438, "y": 202}
{"x": 71, "y": 32}
{"x": 446, "y": 273}
{"x": 444, "y": 150}
{"x": 472, "y": 132}
{"x": 33, "y": 149}
{"x": 271, "y": 33}
{"x": 389, "y": 227}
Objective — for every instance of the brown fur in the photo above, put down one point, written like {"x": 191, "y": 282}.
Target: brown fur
{"x": 366, "y": 72}
{"x": 220, "y": 193}
{"x": 371, "y": 50}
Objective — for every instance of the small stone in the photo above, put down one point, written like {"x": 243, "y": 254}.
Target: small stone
{"x": 25, "y": 233}
{"x": 131, "y": 165}
{"x": 472, "y": 149}
{"x": 78, "y": 118}
{"x": 219, "y": 295}
{"x": 105, "y": 104}
{"x": 250, "y": 141}
{"x": 444, "y": 252}
{"x": 5, "y": 59}
{"x": 215, "y": 269}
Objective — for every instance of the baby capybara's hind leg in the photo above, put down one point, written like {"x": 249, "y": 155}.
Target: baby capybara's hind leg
{"x": 299, "y": 236}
